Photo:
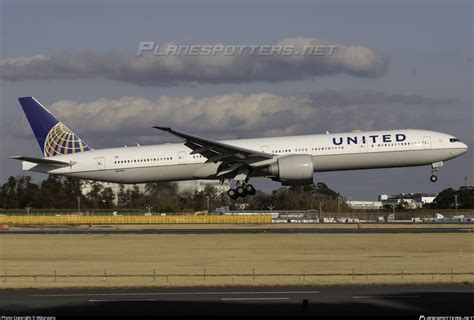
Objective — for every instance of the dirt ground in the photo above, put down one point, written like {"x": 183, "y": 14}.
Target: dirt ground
{"x": 248, "y": 226}
{"x": 160, "y": 259}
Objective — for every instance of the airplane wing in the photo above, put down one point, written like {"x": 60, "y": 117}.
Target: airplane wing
{"x": 216, "y": 151}
{"x": 45, "y": 161}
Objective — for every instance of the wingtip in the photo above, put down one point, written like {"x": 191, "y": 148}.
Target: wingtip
{"x": 162, "y": 128}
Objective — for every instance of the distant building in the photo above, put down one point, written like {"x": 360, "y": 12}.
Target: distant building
{"x": 424, "y": 198}
{"x": 193, "y": 186}
{"x": 410, "y": 200}
{"x": 362, "y": 204}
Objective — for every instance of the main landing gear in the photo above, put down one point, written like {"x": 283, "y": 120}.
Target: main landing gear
{"x": 435, "y": 167}
{"x": 242, "y": 190}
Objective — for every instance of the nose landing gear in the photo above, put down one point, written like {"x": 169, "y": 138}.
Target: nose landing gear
{"x": 435, "y": 167}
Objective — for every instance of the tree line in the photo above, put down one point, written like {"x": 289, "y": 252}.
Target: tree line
{"x": 57, "y": 192}
{"x": 446, "y": 199}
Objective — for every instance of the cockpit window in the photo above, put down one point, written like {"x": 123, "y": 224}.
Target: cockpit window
{"x": 454, "y": 140}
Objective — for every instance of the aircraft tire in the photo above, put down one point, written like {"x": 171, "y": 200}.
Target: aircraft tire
{"x": 250, "y": 190}
{"x": 232, "y": 193}
{"x": 241, "y": 191}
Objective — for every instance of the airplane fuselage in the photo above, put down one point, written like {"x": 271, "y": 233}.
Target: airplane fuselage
{"x": 329, "y": 152}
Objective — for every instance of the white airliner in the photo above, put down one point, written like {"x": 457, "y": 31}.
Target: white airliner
{"x": 292, "y": 160}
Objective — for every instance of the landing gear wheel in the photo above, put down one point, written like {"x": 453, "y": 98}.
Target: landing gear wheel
{"x": 232, "y": 193}
{"x": 250, "y": 190}
{"x": 241, "y": 191}
{"x": 435, "y": 167}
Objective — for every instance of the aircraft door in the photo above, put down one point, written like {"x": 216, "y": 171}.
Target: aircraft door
{"x": 181, "y": 157}
{"x": 100, "y": 164}
{"x": 426, "y": 142}
{"x": 364, "y": 147}
{"x": 266, "y": 149}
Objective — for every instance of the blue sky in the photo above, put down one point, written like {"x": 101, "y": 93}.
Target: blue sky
{"x": 428, "y": 46}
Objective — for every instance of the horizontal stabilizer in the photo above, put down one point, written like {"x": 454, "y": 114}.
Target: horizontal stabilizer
{"x": 49, "y": 162}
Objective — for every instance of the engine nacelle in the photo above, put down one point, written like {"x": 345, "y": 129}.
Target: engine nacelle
{"x": 293, "y": 170}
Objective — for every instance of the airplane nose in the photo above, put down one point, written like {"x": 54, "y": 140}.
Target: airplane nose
{"x": 459, "y": 150}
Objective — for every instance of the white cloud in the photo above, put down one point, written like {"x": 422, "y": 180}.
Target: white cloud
{"x": 105, "y": 122}
{"x": 22, "y": 61}
{"x": 232, "y": 112}
{"x": 153, "y": 70}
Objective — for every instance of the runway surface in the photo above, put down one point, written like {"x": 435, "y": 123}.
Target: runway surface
{"x": 428, "y": 300}
{"x": 240, "y": 231}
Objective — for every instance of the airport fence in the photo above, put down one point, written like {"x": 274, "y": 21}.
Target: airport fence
{"x": 253, "y": 276}
{"x": 172, "y": 219}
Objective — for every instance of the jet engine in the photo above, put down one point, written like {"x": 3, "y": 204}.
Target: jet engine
{"x": 293, "y": 170}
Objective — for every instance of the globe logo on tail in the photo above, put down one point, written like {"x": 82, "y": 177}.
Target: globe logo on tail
{"x": 61, "y": 140}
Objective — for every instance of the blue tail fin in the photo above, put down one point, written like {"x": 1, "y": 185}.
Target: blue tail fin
{"x": 52, "y": 135}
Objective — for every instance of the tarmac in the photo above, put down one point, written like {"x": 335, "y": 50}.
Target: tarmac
{"x": 427, "y": 300}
